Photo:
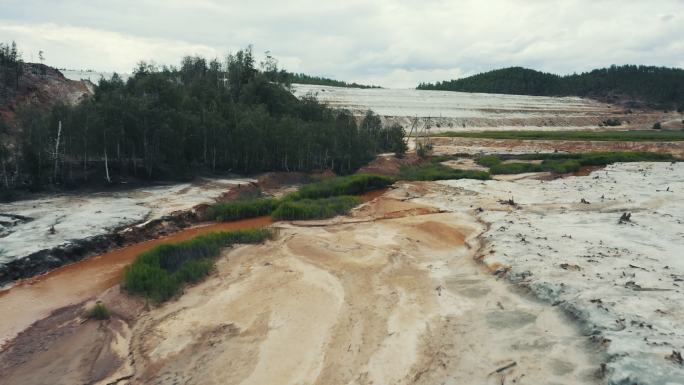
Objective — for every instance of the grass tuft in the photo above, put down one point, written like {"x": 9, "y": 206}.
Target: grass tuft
{"x": 312, "y": 201}
{"x": 250, "y": 208}
{"x": 561, "y": 163}
{"x": 346, "y": 185}
{"x": 99, "y": 312}
{"x": 159, "y": 274}
{"x": 440, "y": 172}
{"x": 315, "y": 208}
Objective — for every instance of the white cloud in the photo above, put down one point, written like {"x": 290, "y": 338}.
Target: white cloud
{"x": 388, "y": 42}
{"x": 77, "y": 47}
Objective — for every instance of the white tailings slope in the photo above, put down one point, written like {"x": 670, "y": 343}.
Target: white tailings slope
{"x": 622, "y": 281}
{"x": 460, "y": 111}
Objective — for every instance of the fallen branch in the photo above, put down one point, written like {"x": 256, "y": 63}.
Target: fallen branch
{"x": 503, "y": 368}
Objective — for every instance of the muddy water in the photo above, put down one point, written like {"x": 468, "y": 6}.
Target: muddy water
{"x": 34, "y": 298}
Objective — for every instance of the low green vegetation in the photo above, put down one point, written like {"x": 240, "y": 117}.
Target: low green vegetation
{"x": 348, "y": 185}
{"x": 611, "y": 123}
{"x": 315, "y": 208}
{"x": 618, "y": 136}
{"x": 160, "y": 273}
{"x": 312, "y": 201}
{"x": 249, "y": 208}
{"x": 557, "y": 166}
{"x": 561, "y": 163}
{"x": 99, "y": 312}
{"x": 439, "y": 172}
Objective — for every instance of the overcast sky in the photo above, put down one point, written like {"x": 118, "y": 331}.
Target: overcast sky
{"x": 393, "y": 43}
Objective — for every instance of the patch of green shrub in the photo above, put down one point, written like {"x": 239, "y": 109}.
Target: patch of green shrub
{"x": 158, "y": 274}
{"x": 231, "y": 211}
{"x": 488, "y": 160}
{"x": 612, "y": 122}
{"x": 561, "y": 166}
{"x": 657, "y": 126}
{"x": 441, "y": 158}
{"x": 439, "y": 172}
{"x": 562, "y": 163}
{"x": 99, "y": 312}
{"x": 514, "y": 168}
{"x": 338, "y": 186}
{"x": 315, "y": 208}
{"x": 346, "y": 185}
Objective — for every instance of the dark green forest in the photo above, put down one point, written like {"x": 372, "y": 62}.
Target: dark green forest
{"x": 11, "y": 69}
{"x": 656, "y": 87}
{"x": 201, "y": 117}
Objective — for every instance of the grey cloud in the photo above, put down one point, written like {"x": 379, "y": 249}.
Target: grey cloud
{"x": 393, "y": 43}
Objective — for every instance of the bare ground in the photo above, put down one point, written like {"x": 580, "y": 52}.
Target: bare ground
{"x": 391, "y": 295}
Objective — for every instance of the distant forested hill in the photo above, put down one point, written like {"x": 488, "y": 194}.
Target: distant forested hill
{"x": 657, "y": 87}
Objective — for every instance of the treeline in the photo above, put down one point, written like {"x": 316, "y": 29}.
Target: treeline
{"x": 201, "y": 117}
{"x": 11, "y": 69}
{"x": 657, "y": 87}
{"x": 300, "y": 78}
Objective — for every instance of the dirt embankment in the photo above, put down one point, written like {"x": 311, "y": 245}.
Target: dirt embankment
{"x": 43, "y": 87}
{"x": 531, "y": 119}
{"x": 391, "y": 295}
{"x": 389, "y": 164}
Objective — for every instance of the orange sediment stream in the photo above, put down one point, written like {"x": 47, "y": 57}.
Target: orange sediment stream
{"x": 30, "y": 300}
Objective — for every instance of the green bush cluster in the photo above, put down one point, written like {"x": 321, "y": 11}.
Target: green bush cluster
{"x": 557, "y": 166}
{"x": 488, "y": 160}
{"x": 564, "y": 163}
{"x": 99, "y": 312}
{"x": 439, "y": 172}
{"x": 310, "y": 201}
{"x": 250, "y": 208}
{"x": 611, "y": 122}
{"x": 315, "y": 208}
{"x": 347, "y": 185}
{"x": 158, "y": 274}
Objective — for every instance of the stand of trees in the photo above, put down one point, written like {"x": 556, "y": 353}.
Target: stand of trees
{"x": 174, "y": 123}
{"x": 658, "y": 87}
{"x": 11, "y": 69}
{"x": 318, "y": 80}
